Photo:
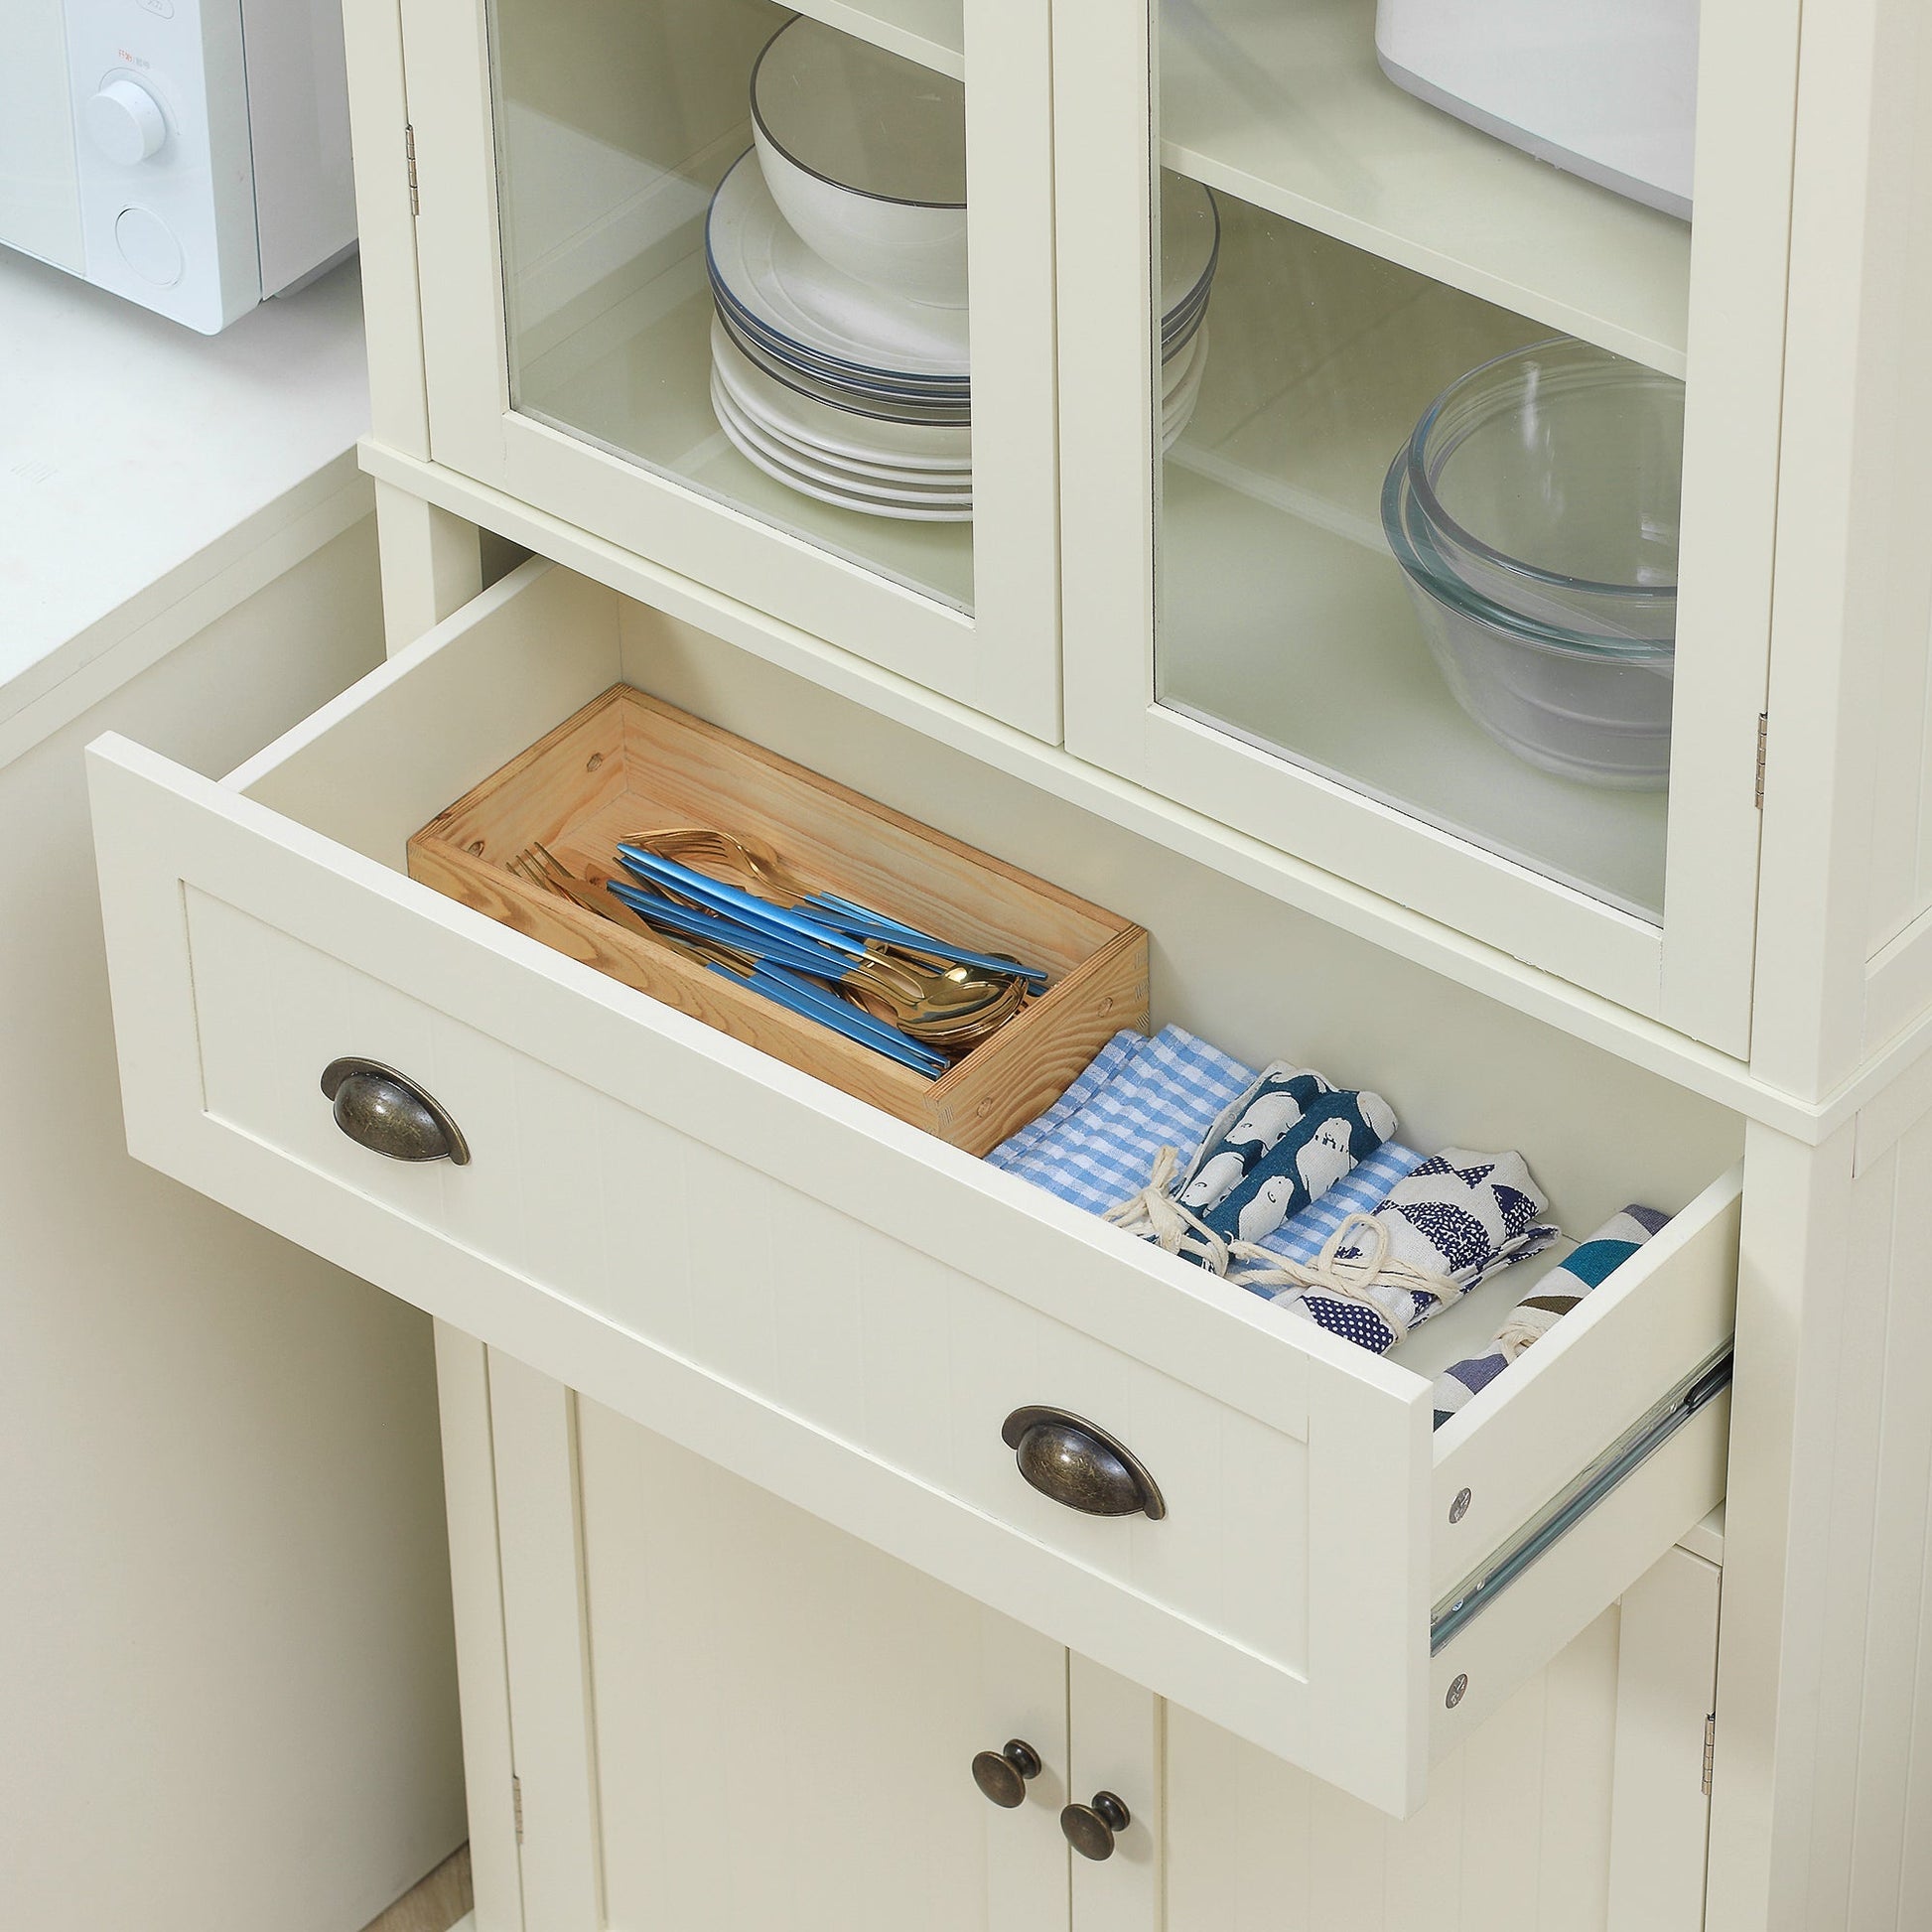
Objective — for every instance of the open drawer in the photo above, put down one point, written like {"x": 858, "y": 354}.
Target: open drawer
{"x": 846, "y": 1310}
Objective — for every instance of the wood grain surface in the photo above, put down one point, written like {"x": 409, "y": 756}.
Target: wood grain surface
{"x": 435, "y": 1904}
{"x": 628, "y": 764}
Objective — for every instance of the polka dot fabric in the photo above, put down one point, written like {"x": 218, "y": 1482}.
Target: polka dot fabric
{"x": 1460, "y": 1214}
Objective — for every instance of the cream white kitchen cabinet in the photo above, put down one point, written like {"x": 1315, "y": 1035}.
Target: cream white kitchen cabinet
{"x": 840, "y": 1311}
{"x": 834, "y": 1308}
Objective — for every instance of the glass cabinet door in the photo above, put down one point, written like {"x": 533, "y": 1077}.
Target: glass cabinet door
{"x": 1445, "y": 442}
{"x": 696, "y": 278}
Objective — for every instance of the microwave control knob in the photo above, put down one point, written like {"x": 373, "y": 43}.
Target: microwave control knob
{"x": 125, "y": 122}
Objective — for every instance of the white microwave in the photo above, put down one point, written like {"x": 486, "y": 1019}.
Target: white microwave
{"x": 191, "y": 155}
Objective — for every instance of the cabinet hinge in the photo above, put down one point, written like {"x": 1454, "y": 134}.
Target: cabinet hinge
{"x": 1710, "y": 1752}
{"x": 1763, "y": 725}
{"x": 517, "y": 1802}
{"x": 409, "y": 154}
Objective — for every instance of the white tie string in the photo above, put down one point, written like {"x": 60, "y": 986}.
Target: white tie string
{"x": 1155, "y": 1214}
{"x": 1348, "y": 1277}
{"x": 1522, "y": 1329}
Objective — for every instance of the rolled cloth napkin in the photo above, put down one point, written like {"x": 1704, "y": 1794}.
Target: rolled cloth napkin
{"x": 1098, "y": 1141}
{"x": 1459, "y": 1217}
{"x": 1556, "y": 1294}
{"x": 1281, "y": 1144}
{"x": 1100, "y": 1144}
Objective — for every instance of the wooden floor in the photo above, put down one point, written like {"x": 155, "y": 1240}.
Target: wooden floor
{"x": 435, "y": 1904}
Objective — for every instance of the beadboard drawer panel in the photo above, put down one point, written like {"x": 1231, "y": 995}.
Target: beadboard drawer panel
{"x": 812, "y": 1294}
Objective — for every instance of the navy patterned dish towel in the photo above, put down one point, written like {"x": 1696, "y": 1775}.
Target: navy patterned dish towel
{"x": 1145, "y": 1101}
{"x": 1282, "y": 1143}
{"x": 1457, "y": 1219}
{"x": 1556, "y": 1294}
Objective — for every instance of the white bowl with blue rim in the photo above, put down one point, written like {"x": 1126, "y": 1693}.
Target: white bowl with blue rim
{"x": 865, "y": 154}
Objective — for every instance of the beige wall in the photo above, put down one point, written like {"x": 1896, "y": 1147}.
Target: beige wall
{"x": 227, "y": 1700}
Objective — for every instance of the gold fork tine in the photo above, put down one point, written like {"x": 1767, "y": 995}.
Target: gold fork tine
{"x": 755, "y": 863}
{"x": 538, "y": 864}
{"x": 525, "y": 867}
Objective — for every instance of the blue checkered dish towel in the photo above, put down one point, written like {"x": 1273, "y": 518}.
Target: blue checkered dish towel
{"x": 1097, "y": 1145}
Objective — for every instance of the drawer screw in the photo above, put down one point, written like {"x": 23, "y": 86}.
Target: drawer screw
{"x": 1456, "y": 1689}
{"x": 1459, "y": 1508}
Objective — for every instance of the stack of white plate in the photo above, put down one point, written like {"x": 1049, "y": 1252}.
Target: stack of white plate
{"x": 852, "y": 392}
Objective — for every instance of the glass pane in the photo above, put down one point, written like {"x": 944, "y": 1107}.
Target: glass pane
{"x": 735, "y": 253}
{"x": 1411, "y": 538}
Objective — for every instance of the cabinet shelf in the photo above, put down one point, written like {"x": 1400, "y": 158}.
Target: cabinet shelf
{"x": 930, "y": 32}
{"x": 1282, "y": 103}
{"x": 1345, "y": 685}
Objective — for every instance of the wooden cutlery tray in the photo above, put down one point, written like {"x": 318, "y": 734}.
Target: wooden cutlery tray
{"x": 627, "y": 763}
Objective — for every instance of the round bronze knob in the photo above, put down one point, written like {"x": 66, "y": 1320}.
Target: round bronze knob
{"x": 389, "y": 1113}
{"x": 1091, "y": 1829}
{"x": 1003, "y": 1775}
{"x": 1080, "y": 1466}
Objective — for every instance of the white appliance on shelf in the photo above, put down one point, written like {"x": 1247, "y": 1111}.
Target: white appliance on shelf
{"x": 1606, "y": 91}
{"x": 191, "y": 155}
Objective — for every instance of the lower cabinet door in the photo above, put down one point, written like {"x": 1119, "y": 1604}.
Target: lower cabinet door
{"x": 726, "y": 1713}
{"x": 1578, "y": 1807}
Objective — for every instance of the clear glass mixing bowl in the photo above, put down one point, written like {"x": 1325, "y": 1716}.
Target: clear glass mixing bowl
{"x": 1534, "y": 514}
{"x": 1547, "y": 486}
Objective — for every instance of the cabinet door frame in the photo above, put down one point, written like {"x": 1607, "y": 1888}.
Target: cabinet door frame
{"x": 476, "y": 1598}
{"x": 1666, "y": 1698}
{"x": 541, "y": 1682}
{"x": 1693, "y": 973}
{"x": 1003, "y": 658}
{"x": 1651, "y": 1728}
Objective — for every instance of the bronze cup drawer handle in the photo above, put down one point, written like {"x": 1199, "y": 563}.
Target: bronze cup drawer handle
{"x": 1078, "y": 1464}
{"x": 389, "y": 1113}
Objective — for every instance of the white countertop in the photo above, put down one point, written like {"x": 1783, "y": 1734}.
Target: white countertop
{"x": 138, "y": 458}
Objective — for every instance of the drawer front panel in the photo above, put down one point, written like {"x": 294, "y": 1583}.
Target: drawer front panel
{"x": 1519, "y": 1443}
{"x": 821, "y": 1317}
